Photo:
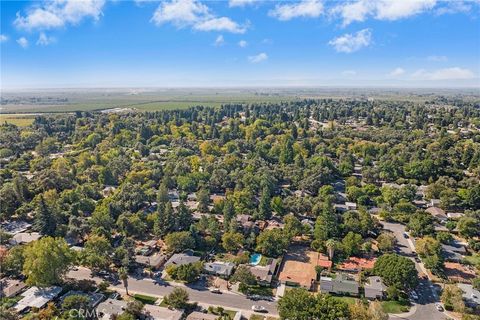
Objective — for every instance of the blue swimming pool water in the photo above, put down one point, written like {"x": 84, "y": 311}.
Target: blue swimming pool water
{"x": 255, "y": 259}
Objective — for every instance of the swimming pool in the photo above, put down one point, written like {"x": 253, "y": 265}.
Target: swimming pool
{"x": 255, "y": 259}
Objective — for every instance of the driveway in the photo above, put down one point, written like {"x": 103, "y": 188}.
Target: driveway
{"x": 197, "y": 293}
{"x": 426, "y": 290}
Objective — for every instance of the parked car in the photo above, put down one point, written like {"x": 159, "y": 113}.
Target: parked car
{"x": 405, "y": 235}
{"x": 253, "y": 297}
{"x": 217, "y": 291}
{"x": 414, "y": 295}
{"x": 417, "y": 259}
{"x": 439, "y": 307}
{"x": 259, "y": 308}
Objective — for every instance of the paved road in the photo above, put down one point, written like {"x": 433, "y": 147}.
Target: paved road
{"x": 424, "y": 309}
{"x": 197, "y": 293}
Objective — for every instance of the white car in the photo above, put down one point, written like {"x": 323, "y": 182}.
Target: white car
{"x": 217, "y": 291}
{"x": 259, "y": 308}
{"x": 414, "y": 295}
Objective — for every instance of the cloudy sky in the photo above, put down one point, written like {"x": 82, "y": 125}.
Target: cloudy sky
{"x": 179, "y": 43}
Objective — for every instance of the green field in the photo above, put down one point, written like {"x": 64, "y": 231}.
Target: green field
{"x": 20, "y": 120}
{"x": 145, "y": 299}
{"x": 154, "y": 99}
{"x": 394, "y": 307}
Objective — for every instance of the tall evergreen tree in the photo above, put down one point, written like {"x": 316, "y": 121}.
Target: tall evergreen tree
{"x": 45, "y": 220}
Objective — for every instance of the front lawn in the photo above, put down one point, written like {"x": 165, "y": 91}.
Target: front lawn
{"x": 257, "y": 289}
{"x": 256, "y": 317}
{"x": 347, "y": 300}
{"x": 473, "y": 260}
{"x": 395, "y": 307}
{"x": 145, "y": 299}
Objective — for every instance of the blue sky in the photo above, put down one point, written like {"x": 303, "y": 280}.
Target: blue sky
{"x": 186, "y": 43}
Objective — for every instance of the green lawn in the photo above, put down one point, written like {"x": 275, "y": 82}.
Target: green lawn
{"x": 17, "y": 119}
{"x": 256, "y": 317}
{"x": 347, "y": 300}
{"x": 260, "y": 290}
{"x": 394, "y": 307}
{"x": 473, "y": 260}
{"x": 145, "y": 299}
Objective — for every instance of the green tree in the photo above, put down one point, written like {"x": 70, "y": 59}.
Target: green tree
{"x": 45, "y": 219}
{"x": 14, "y": 261}
{"x": 123, "y": 275}
{"x": 264, "y": 209}
{"x": 203, "y": 198}
{"x": 386, "y": 242}
{"x": 232, "y": 241}
{"x": 46, "y": 261}
{"x": 228, "y": 212}
{"x": 177, "y": 299}
{"x": 299, "y": 304}
{"x": 331, "y": 245}
{"x": 179, "y": 241}
{"x": 468, "y": 227}
{"x": 165, "y": 221}
{"x": 293, "y": 227}
{"x": 243, "y": 275}
{"x": 97, "y": 253}
{"x": 272, "y": 242}
{"x": 397, "y": 271}
{"x": 351, "y": 243}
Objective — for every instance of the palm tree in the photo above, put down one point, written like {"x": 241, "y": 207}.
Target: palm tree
{"x": 123, "y": 274}
{"x": 331, "y": 244}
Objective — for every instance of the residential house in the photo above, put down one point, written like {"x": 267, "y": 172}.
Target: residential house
{"x": 221, "y": 269}
{"x": 24, "y": 238}
{"x": 341, "y": 284}
{"x": 154, "y": 261}
{"x": 434, "y": 203}
{"x": 111, "y": 308}
{"x": 453, "y": 252}
{"x": 245, "y": 222}
{"x": 374, "y": 288}
{"x": 14, "y": 227}
{"x": 11, "y": 287}
{"x": 264, "y": 274}
{"x": 153, "y": 312}
{"x": 201, "y": 316}
{"x": 179, "y": 259}
{"x": 36, "y": 297}
{"x": 470, "y": 295}
{"x": 437, "y": 213}
{"x": 454, "y": 215}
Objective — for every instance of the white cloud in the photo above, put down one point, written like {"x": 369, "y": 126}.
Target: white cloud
{"x": 454, "y": 73}
{"x": 349, "y": 43}
{"x": 192, "y": 13}
{"x": 240, "y": 3}
{"x": 220, "y": 24}
{"x": 44, "y": 40}
{"x": 359, "y": 10}
{"x": 3, "y": 38}
{"x": 242, "y": 43}
{"x": 258, "y": 58}
{"x": 180, "y": 12}
{"x": 59, "y": 13}
{"x": 398, "y": 9}
{"x": 23, "y": 42}
{"x": 220, "y": 41}
{"x": 267, "y": 41}
{"x": 349, "y": 73}
{"x": 397, "y": 72}
{"x": 437, "y": 58}
{"x": 305, "y": 8}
